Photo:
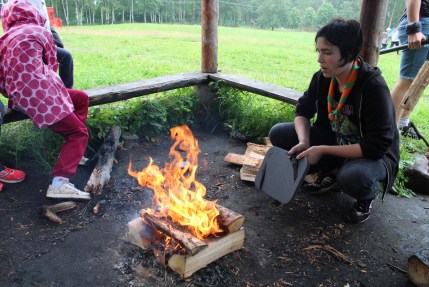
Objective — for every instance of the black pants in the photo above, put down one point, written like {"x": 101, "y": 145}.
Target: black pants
{"x": 359, "y": 178}
{"x": 65, "y": 61}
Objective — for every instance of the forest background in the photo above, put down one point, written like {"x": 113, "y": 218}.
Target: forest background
{"x": 288, "y": 14}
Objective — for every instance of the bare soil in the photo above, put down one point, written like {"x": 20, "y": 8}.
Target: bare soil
{"x": 283, "y": 245}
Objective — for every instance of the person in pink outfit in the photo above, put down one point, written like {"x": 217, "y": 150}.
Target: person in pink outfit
{"x": 29, "y": 79}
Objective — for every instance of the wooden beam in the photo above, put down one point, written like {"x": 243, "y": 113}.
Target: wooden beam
{"x": 261, "y": 88}
{"x": 120, "y": 92}
{"x": 209, "y": 29}
{"x": 110, "y": 94}
{"x": 372, "y": 18}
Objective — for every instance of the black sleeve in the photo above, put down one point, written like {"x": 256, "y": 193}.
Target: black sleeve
{"x": 57, "y": 39}
{"x": 307, "y": 103}
{"x": 378, "y": 119}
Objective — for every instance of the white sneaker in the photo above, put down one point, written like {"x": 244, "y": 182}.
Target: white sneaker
{"x": 67, "y": 190}
{"x": 83, "y": 161}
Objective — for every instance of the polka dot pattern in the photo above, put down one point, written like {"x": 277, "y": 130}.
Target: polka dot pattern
{"x": 28, "y": 66}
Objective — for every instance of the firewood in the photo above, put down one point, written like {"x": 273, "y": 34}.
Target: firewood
{"x": 418, "y": 268}
{"x": 106, "y": 156}
{"x": 242, "y": 159}
{"x": 139, "y": 233}
{"x": 186, "y": 265}
{"x": 191, "y": 243}
{"x": 229, "y": 220}
{"x": 49, "y": 211}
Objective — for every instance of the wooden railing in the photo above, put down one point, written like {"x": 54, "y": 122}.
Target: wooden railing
{"x": 120, "y": 92}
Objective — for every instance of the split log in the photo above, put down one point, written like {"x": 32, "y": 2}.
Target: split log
{"x": 186, "y": 265}
{"x": 49, "y": 211}
{"x": 418, "y": 268}
{"x": 140, "y": 233}
{"x": 191, "y": 243}
{"x": 229, "y": 220}
{"x": 242, "y": 160}
{"x": 106, "y": 155}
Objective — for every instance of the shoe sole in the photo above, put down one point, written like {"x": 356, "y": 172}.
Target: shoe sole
{"x": 357, "y": 222}
{"x": 74, "y": 196}
{"x": 11, "y": 181}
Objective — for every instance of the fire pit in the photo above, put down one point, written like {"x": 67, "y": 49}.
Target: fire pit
{"x": 185, "y": 231}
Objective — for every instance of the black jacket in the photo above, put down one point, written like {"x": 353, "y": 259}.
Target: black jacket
{"x": 374, "y": 114}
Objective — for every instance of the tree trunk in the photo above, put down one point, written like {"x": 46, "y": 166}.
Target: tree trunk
{"x": 77, "y": 12}
{"x": 66, "y": 11}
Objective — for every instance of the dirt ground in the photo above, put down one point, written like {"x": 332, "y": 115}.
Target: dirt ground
{"x": 281, "y": 241}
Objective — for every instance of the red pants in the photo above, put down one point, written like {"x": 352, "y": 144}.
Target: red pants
{"x": 75, "y": 134}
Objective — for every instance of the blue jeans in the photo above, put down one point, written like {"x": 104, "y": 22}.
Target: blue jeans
{"x": 412, "y": 60}
{"x": 359, "y": 178}
{"x": 65, "y": 61}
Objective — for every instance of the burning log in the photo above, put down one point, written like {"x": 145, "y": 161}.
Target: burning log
{"x": 191, "y": 243}
{"x": 106, "y": 155}
{"x": 229, "y": 220}
{"x": 49, "y": 211}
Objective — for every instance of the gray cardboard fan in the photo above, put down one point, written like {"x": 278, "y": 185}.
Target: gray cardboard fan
{"x": 281, "y": 175}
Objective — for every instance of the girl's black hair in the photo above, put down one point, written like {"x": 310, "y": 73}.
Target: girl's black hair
{"x": 347, "y": 35}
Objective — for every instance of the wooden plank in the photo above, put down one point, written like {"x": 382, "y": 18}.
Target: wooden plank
{"x": 242, "y": 159}
{"x": 110, "y": 94}
{"x": 120, "y": 92}
{"x": 256, "y": 148}
{"x": 248, "y": 173}
{"x": 186, "y": 265}
{"x": 268, "y": 90}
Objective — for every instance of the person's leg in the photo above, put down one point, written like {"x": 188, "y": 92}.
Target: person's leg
{"x": 411, "y": 62}
{"x": 283, "y": 135}
{"x": 75, "y": 136}
{"x": 65, "y": 61}
{"x": 361, "y": 179}
{"x": 80, "y": 102}
{"x": 398, "y": 93}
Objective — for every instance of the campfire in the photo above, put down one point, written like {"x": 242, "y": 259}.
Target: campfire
{"x": 186, "y": 231}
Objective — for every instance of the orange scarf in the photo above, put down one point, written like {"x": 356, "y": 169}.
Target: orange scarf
{"x": 351, "y": 80}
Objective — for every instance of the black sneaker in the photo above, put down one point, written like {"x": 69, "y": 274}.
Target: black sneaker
{"x": 323, "y": 184}
{"x": 408, "y": 131}
{"x": 360, "y": 211}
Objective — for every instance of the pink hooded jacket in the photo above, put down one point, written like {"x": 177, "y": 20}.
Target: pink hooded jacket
{"x": 28, "y": 66}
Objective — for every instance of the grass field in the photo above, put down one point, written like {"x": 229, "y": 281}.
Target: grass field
{"x": 112, "y": 54}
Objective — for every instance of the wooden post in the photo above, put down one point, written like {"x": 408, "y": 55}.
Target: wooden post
{"x": 372, "y": 18}
{"x": 209, "y": 20}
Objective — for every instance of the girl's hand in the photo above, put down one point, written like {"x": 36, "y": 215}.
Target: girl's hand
{"x": 313, "y": 154}
{"x": 300, "y": 147}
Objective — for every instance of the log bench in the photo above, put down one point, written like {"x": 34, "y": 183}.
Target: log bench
{"x": 120, "y": 92}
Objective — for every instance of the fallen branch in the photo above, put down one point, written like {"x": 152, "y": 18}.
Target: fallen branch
{"x": 49, "y": 211}
{"x": 106, "y": 156}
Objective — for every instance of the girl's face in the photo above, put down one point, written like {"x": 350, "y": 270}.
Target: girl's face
{"x": 329, "y": 57}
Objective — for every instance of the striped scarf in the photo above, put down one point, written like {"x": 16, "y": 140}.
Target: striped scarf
{"x": 351, "y": 80}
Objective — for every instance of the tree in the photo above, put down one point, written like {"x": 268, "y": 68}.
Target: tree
{"x": 309, "y": 19}
{"x": 325, "y": 13}
{"x": 295, "y": 17}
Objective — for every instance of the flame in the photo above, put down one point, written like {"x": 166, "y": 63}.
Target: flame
{"x": 177, "y": 194}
